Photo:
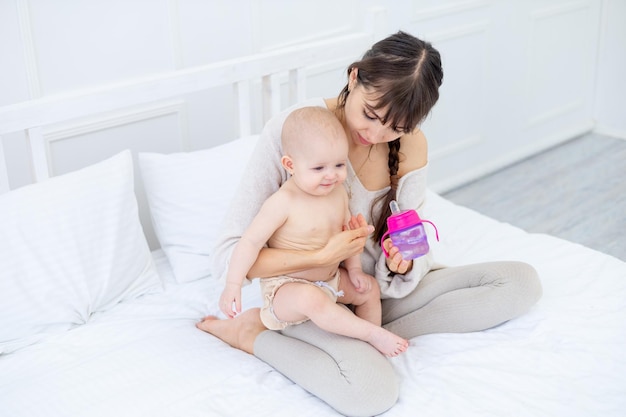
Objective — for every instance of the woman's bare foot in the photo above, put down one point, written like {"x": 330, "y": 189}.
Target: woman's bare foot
{"x": 240, "y": 332}
{"x": 387, "y": 343}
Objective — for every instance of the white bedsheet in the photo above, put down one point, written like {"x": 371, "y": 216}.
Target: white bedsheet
{"x": 146, "y": 358}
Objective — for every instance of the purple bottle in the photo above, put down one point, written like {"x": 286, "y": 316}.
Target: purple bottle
{"x": 407, "y": 233}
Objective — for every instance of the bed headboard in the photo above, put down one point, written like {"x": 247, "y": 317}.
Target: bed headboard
{"x": 241, "y": 93}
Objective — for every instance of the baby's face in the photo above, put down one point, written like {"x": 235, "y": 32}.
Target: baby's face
{"x": 323, "y": 166}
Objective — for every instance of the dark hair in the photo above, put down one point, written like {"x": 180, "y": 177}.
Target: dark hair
{"x": 405, "y": 74}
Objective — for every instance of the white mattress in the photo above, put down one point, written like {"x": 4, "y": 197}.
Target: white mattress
{"x": 146, "y": 358}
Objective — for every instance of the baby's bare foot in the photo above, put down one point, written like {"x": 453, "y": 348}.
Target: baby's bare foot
{"x": 239, "y": 332}
{"x": 389, "y": 344}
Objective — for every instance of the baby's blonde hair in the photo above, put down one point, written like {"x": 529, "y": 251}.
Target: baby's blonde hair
{"x": 306, "y": 124}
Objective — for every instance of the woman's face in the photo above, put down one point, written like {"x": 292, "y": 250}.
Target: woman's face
{"x": 363, "y": 124}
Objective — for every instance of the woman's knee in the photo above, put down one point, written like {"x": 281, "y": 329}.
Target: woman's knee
{"x": 349, "y": 375}
{"x": 522, "y": 284}
{"x": 528, "y": 283}
{"x": 371, "y": 386}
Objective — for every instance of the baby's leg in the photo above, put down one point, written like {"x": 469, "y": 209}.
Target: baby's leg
{"x": 296, "y": 301}
{"x": 366, "y": 305}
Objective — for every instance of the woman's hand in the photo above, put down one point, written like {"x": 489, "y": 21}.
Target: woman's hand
{"x": 348, "y": 243}
{"x": 395, "y": 263}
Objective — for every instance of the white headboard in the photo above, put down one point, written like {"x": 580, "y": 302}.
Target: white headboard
{"x": 259, "y": 86}
{"x": 31, "y": 116}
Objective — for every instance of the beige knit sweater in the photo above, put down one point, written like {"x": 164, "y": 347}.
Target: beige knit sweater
{"x": 264, "y": 175}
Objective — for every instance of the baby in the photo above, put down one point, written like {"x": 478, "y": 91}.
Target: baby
{"x": 309, "y": 208}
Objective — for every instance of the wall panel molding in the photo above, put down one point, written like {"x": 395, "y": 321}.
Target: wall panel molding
{"x": 559, "y": 9}
{"x": 97, "y": 123}
{"x": 349, "y": 23}
{"x": 539, "y": 65}
{"x": 464, "y": 105}
{"x": 609, "y": 131}
{"x": 28, "y": 44}
{"x": 421, "y": 13}
{"x": 175, "y": 33}
{"x": 459, "y": 31}
{"x": 496, "y": 162}
{"x": 456, "y": 147}
{"x": 4, "y": 173}
{"x": 555, "y": 112}
{"x": 116, "y": 119}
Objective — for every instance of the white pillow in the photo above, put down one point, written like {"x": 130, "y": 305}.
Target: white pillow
{"x": 70, "y": 246}
{"x": 189, "y": 194}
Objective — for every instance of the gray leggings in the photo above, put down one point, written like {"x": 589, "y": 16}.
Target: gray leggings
{"x": 354, "y": 378}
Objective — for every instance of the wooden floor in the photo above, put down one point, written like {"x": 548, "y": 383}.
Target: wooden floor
{"x": 575, "y": 191}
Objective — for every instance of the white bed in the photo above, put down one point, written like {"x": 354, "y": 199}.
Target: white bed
{"x": 93, "y": 323}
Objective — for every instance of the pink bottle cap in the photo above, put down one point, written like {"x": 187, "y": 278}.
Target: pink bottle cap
{"x": 403, "y": 220}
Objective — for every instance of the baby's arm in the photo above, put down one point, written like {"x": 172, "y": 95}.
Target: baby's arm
{"x": 244, "y": 253}
{"x": 272, "y": 215}
{"x": 361, "y": 281}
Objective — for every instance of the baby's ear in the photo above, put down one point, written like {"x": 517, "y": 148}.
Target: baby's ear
{"x": 287, "y": 163}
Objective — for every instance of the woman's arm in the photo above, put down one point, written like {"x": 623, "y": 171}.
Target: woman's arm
{"x": 397, "y": 277}
{"x": 273, "y": 262}
{"x": 414, "y": 156}
{"x": 414, "y": 152}
{"x": 396, "y": 284}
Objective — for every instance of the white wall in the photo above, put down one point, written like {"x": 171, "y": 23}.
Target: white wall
{"x": 520, "y": 75}
{"x": 610, "y": 109}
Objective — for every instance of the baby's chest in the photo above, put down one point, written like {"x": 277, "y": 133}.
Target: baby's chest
{"x": 315, "y": 221}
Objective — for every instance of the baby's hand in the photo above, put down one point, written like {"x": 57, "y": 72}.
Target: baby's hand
{"x": 230, "y": 300}
{"x": 362, "y": 282}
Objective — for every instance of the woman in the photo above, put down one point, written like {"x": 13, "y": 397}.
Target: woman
{"x": 389, "y": 92}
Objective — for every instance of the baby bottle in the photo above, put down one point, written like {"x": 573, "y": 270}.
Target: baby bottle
{"x": 407, "y": 233}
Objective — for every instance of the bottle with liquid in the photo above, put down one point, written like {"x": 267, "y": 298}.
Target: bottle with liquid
{"x": 406, "y": 230}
